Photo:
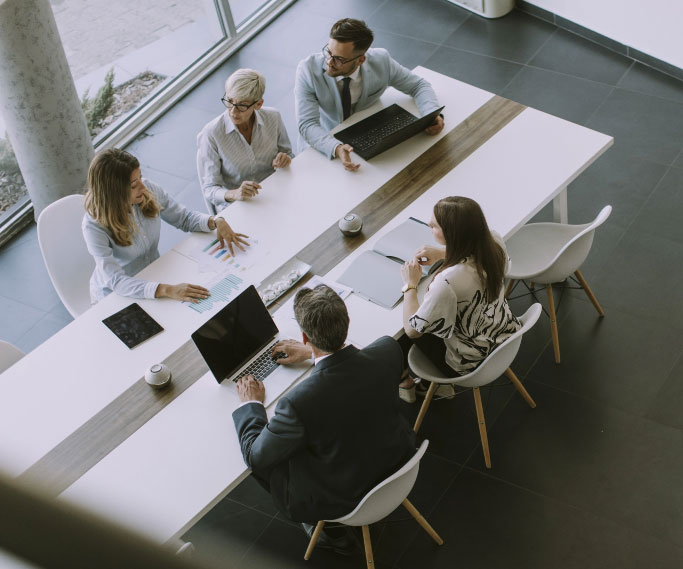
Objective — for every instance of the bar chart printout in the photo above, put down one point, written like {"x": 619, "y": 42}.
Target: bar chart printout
{"x": 213, "y": 257}
{"x": 222, "y": 291}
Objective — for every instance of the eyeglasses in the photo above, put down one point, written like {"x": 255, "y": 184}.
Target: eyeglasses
{"x": 335, "y": 59}
{"x": 241, "y": 107}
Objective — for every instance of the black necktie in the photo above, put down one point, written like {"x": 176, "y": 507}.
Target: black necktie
{"x": 346, "y": 97}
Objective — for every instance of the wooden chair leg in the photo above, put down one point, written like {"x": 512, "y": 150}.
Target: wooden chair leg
{"x": 419, "y": 518}
{"x": 425, "y": 406}
{"x": 518, "y": 385}
{"x": 368, "y": 547}
{"x": 509, "y": 288}
{"x": 589, "y": 293}
{"x": 482, "y": 427}
{"x": 314, "y": 539}
{"x": 553, "y": 323}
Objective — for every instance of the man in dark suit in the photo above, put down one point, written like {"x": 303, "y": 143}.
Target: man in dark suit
{"x": 338, "y": 433}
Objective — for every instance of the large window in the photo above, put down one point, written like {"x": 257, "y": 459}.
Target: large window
{"x": 131, "y": 60}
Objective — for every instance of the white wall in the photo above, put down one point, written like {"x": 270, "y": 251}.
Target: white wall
{"x": 654, "y": 27}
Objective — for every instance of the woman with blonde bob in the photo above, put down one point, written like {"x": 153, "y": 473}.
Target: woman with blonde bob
{"x": 122, "y": 224}
{"x": 464, "y": 315}
{"x": 244, "y": 145}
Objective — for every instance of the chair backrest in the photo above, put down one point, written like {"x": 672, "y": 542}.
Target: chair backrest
{"x": 9, "y": 355}
{"x": 66, "y": 257}
{"x": 574, "y": 253}
{"x": 384, "y": 498}
{"x": 490, "y": 369}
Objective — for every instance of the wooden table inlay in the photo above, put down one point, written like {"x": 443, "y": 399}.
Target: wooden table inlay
{"x": 329, "y": 249}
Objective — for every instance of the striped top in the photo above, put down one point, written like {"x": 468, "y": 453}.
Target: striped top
{"x": 225, "y": 159}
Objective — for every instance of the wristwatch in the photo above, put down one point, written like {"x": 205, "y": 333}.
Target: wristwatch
{"x": 406, "y": 287}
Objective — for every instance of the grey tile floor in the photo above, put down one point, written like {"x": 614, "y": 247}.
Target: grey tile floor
{"x": 593, "y": 477}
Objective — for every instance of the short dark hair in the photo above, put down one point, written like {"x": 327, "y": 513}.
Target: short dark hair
{"x": 322, "y": 316}
{"x": 348, "y": 29}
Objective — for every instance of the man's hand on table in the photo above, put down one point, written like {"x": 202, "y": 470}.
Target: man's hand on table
{"x": 343, "y": 152}
{"x": 294, "y": 351}
{"x": 436, "y": 127}
{"x": 250, "y": 389}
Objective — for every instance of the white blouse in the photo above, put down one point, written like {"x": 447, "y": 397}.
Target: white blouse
{"x": 115, "y": 265}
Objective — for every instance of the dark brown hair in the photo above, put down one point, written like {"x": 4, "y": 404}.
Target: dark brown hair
{"x": 322, "y": 316}
{"x": 467, "y": 235}
{"x": 350, "y": 30}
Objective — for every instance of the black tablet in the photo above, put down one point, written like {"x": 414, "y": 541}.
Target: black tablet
{"x": 132, "y": 325}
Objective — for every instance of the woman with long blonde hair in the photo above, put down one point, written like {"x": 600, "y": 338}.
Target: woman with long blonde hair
{"x": 122, "y": 224}
{"x": 464, "y": 315}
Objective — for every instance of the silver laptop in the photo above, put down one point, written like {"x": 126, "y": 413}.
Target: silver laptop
{"x": 238, "y": 341}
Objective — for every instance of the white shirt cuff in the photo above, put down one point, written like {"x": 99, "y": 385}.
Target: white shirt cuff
{"x": 150, "y": 290}
{"x": 250, "y": 401}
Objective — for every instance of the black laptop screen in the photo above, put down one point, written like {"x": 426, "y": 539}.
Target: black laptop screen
{"x": 235, "y": 334}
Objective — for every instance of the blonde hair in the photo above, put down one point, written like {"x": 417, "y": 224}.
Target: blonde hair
{"x": 108, "y": 197}
{"x": 245, "y": 85}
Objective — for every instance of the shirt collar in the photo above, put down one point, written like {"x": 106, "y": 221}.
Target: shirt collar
{"x": 354, "y": 76}
{"x": 317, "y": 360}
{"x": 230, "y": 127}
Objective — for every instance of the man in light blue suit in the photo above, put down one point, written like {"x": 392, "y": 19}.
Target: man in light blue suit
{"x": 346, "y": 77}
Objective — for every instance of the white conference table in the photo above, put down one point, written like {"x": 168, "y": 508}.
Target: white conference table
{"x": 183, "y": 460}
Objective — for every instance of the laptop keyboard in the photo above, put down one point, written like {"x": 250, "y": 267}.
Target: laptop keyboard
{"x": 262, "y": 366}
{"x": 372, "y": 137}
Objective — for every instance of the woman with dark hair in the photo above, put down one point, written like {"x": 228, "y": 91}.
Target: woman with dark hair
{"x": 464, "y": 315}
{"x": 122, "y": 224}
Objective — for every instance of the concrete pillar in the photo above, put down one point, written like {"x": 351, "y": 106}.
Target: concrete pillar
{"x": 42, "y": 112}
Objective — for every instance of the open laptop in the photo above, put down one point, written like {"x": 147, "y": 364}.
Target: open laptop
{"x": 238, "y": 341}
{"x": 384, "y": 130}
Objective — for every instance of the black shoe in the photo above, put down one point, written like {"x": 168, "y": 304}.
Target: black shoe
{"x": 343, "y": 544}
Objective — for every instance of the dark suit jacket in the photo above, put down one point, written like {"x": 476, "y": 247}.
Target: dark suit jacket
{"x": 333, "y": 437}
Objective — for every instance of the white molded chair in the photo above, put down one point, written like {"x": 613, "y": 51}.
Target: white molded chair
{"x": 66, "y": 257}
{"x": 9, "y": 355}
{"x": 547, "y": 253}
{"x": 379, "y": 502}
{"x": 495, "y": 364}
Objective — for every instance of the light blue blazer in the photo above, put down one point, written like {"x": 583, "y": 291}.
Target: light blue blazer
{"x": 318, "y": 102}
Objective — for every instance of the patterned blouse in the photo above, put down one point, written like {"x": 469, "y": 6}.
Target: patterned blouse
{"x": 456, "y": 309}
